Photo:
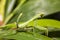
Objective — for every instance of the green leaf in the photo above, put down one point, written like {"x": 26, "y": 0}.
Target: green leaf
{"x": 45, "y": 23}
{"x": 4, "y": 33}
{"x": 26, "y": 36}
{"x": 56, "y": 38}
{"x": 33, "y": 7}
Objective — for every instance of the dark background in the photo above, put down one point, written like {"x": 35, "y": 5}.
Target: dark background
{"x": 55, "y": 16}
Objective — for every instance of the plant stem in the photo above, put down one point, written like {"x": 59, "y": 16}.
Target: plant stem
{"x": 14, "y": 12}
